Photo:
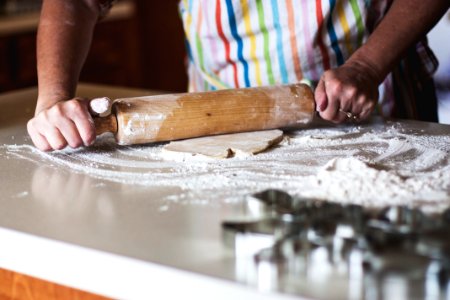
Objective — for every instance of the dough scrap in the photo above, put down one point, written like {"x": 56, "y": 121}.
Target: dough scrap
{"x": 227, "y": 145}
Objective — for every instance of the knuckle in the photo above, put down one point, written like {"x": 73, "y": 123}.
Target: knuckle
{"x": 35, "y": 125}
{"x": 45, "y": 115}
{"x": 73, "y": 105}
{"x": 30, "y": 124}
{"x": 78, "y": 111}
{"x": 336, "y": 87}
{"x": 55, "y": 113}
{"x": 58, "y": 109}
{"x": 352, "y": 92}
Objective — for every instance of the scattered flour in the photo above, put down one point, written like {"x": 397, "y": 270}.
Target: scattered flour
{"x": 375, "y": 167}
{"x": 21, "y": 194}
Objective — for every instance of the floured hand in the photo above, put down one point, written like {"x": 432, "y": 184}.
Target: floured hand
{"x": 66, "y": 123}
{"x": 349, "y": 92}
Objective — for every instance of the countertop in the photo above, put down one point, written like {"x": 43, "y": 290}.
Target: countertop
{"x": 104, "y": 237}
{"x": 111, "y": 237}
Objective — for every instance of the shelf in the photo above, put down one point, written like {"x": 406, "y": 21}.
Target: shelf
{"x": 28, "y": 22}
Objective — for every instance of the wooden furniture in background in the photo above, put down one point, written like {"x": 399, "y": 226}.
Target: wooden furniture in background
{"x": 114, "y": 57}
{"x": 162, "y": 41}
{"x": 139, "y": 44}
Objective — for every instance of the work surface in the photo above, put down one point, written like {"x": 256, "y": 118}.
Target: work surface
{"x": 130, "y": 221}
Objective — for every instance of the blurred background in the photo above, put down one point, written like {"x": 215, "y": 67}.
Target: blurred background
{"x": 140, "y": 44}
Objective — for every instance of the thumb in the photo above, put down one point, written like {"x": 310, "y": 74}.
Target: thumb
{"x": 320, "y": 96}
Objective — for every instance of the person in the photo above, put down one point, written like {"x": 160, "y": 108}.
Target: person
{"x": 361, "y": 55}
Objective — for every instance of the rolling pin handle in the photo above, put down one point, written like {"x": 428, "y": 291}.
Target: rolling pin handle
{"x": 105, "y": 124}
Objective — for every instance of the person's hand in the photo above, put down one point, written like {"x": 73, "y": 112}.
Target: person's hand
{"x": 64, "y": 123}
{"x": 349, "y": 92}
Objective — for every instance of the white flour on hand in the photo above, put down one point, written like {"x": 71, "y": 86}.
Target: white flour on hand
{"x": 101, "y": 106}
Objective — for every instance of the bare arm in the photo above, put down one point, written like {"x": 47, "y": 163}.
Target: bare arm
{"x": 353, "y": 87}
{"x": 64, "y": 38}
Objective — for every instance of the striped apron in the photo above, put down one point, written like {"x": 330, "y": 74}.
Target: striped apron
{"x": 244, "y": 43}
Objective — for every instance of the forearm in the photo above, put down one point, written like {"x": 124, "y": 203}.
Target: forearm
{"x": 64, "y": 38}
{"x": 406, "y": 22}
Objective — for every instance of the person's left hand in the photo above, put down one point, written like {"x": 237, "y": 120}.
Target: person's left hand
{"x": 349, "y": 92}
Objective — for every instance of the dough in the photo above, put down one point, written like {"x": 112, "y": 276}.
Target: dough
{"x": 227, "y": 145}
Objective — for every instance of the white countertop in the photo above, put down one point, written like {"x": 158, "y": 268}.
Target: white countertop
{"x": 105, "y": 237}
{"x": 109, "y": 237}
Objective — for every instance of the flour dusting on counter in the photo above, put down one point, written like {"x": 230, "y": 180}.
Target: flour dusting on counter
{"x": 375, "y": 167}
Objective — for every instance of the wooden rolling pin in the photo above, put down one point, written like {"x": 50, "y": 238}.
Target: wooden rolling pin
{"x": 180, "y": 116}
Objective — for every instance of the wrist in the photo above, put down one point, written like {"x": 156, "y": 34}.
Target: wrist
{"x": 47, "y": 100}
{"x": 367, "y": 66}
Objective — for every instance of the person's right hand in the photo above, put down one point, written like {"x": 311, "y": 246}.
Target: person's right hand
{"x": 66, "y": 123}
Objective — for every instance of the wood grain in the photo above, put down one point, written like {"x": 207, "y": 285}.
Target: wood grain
{"x": 188, "y": 115}
{"x": 105, "y": 124}
{"x": 18, "y": 286}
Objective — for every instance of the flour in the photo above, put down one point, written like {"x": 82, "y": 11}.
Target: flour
{"x": 21, "y": 194}
{"x": 101, "y": 106}
{"x": 349, "y": 180}
{"x": 375, "y": 167}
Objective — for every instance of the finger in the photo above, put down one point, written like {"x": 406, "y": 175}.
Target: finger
{"x": 364, "y": 115}
{"x": 367, "y": 111}
{"x": 77, "y": 112}
{"x": 359, "y": 105}
{"x": 58, "y": 127}
{"x": 346, "y": 116}
{"x": 38, "y": 140}
{"x": 55, "y": 138}
{"x": 84, "y": 124}
{"x": 86, "y": 129}
{"x": 331, "y": 113}
{"x": 345, "y": 111}
{"x": 69, "y": 131}
{"x": 321, "y": 96}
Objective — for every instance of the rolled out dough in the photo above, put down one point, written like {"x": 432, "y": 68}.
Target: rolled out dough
{"x": 227, "y": 145}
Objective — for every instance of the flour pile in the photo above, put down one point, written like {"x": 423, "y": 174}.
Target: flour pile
{"x": 371, "y": 166}
{"x": 349, "y": 180}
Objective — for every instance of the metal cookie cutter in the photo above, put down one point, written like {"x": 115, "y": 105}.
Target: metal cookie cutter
{"x": 248, "y": 238}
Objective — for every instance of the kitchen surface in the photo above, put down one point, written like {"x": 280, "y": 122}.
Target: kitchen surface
{"x": 128, "y": 222}
{"x": 357, "y": 210}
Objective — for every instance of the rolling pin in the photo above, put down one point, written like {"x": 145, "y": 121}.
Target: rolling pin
{"x": 180, "y": 116}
